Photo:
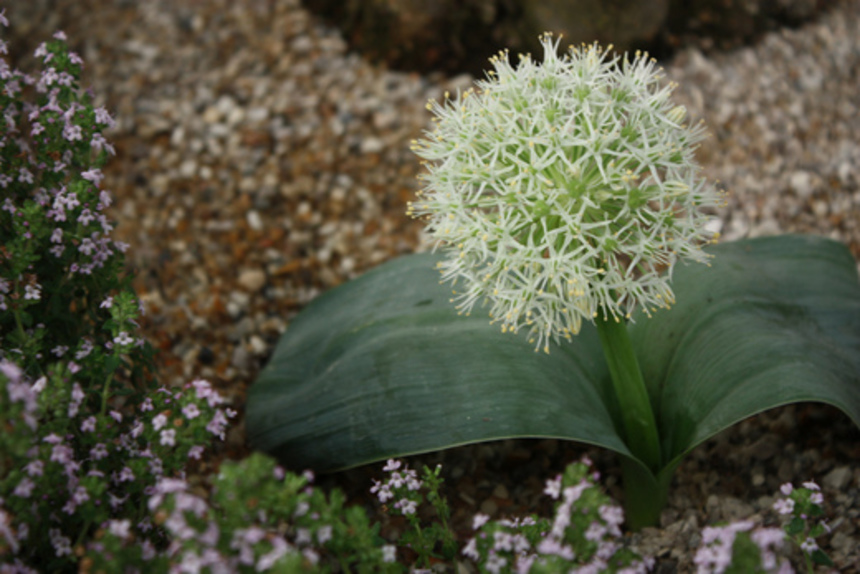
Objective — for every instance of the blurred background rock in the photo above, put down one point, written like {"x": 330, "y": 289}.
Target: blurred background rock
{"x": 455, "y": 36}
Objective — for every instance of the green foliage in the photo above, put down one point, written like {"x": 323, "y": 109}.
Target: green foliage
{"x": 382, "y": 366}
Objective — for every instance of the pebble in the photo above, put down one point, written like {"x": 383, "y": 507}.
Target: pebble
{"x": 252, "y": 279}
{"x": 838, "y": 478}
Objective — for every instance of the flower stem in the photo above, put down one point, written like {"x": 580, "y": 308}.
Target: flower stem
{"x": 640, "y": 427}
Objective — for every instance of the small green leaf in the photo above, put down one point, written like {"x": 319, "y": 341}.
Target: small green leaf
{"x": 796, "y": 526}
{"x": 820, "y": 557}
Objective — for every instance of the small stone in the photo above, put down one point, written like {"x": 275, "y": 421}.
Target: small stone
{"x": 255, "y": 222}
{"x": 258, "y": 345}
{"x": 252, "y": 279}
{"x": 188, "y": 168}
{"x": 838, "y": 478}
{"x": 801, "y": 183}
{"x": 241, "y": 359}
{"x": 489, "y": 507}
{"x": 501, "y": 492}
{"x": 372, "y": 145}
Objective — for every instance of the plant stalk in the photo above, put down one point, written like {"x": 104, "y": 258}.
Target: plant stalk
{"x": 640, "y": 426}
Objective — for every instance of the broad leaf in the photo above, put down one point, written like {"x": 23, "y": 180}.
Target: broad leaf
{"x": 383, "y": 366}
{"x": 773, "y": 321}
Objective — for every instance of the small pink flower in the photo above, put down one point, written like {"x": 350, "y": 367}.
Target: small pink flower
{"x": 191, "y": 411}
{"x": 784, "y": 506}
{"x": 159, "y": 421}
{"x": 168, "y": 437}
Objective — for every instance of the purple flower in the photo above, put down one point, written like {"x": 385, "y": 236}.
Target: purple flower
{"x": 99, "y": 143}
{"x": 33, "y": 292}
{"x": 595, "y": 531}
{"x": 62, "y": 545}
{"x": 382, "y": 491}
{"x": 103, "y": 117}
{"x": 190, "y": 411}
{"x": 72, "y": 132}
{"x": 24, "y": 488}
{"x": 168, "y": 437}
{"x": 553, "y": 487}
{"x": 93, "y": 175}
{"x": 809, "y": 546}
{"x": 470, "y": 550}
{"x": 784, "y": 506}
{"x": 119, "y": 528}
{"x": 324, "y": 534}
{"x": 77, "y": 397}
{"x": 35, "y": 468}
{"x": 159, "y": 420}
{"x": 125, "y": 475}
{"x": 86, "y": 217}
{"x": 123, "y": 338}
{"x": 217, "y": 425}
{"x": 89, "y": 424}
{"x": 86, "y": 349}
{"x": 98, "y": 452}
{"x": 479, "y": 520}
{"x": 10, "y": 370}
{"x": 196, "y": 452}
{"x": 61, "y": 454}
{"x": 406, "y": 506}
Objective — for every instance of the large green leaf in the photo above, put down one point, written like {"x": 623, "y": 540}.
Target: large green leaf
{"x": 383, "y": 366}
{"x": 773, "y": 321}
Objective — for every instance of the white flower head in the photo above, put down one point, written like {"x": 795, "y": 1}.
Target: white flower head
{"x": 564, "y": 190}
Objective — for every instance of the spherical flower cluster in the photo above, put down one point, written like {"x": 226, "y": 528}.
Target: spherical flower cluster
{"x": 564, "y": 190}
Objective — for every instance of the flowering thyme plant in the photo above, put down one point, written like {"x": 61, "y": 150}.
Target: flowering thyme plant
{"x": 742, "y": 547}
{"x": 804, "y": 507}
{"x": 404, "y": 494}
{"x": 57, "y": 254}
{"x": 584, "y": 533}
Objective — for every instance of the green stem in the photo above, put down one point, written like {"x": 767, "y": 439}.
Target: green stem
{"x": 640, "y": 426}
{"x": 645, "y": 494}
{"x": 106, "y": 391}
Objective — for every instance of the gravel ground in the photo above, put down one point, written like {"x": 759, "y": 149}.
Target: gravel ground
{"x": 260, "y": 163}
